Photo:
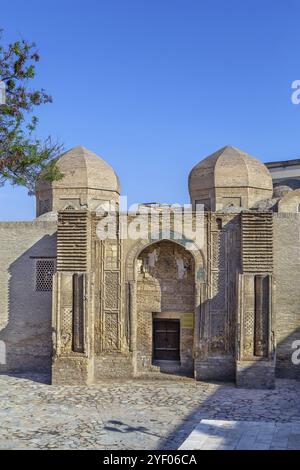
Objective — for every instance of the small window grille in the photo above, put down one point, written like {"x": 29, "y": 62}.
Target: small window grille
{"x": 45, "y": 269}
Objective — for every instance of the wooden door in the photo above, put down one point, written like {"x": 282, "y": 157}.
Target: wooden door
{"x": 166, "y": 340}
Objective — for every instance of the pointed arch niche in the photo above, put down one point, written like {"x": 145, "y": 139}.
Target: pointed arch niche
{"x": 166, "y": 286}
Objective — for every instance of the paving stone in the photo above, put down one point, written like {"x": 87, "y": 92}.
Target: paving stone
{"x": 263, "y": 439}
{"x": 144, "y": 414}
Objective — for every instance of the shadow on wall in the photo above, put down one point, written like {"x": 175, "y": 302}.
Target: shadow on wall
{"x": 26, "y": 337}
{"x": 288, "y": 357}
{"x": 217, "y": 329}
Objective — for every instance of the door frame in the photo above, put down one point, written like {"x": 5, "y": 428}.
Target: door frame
{"x": 170, "y": 320}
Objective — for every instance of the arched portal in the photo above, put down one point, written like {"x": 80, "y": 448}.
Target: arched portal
{"x": 165, "y": 307}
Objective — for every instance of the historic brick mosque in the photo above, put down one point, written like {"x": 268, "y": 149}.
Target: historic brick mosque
{"x": 88, "y": 308}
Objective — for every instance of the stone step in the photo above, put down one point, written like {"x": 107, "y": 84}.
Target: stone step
{"x": 164, "y": 376}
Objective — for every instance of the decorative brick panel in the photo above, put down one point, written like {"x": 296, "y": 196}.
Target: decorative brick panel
{"x": 45, "y": 269}
{"x": 111, "y": 298}
{"x": 72, "y": 241}
{"x": 257, "y": 242}
{"x": 111, "y": 331}
{"x": 248, "y": 332}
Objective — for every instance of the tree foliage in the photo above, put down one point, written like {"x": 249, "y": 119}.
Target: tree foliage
{"x": 22, "y": 155}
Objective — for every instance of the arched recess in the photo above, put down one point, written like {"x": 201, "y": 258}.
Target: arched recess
{"x": 199, "y": 292}
{"x": 197, "y": 253}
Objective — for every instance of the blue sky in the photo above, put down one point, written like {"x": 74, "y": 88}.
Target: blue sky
{"x": 154, "y": 86}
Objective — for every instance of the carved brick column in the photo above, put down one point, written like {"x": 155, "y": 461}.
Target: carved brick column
{"x": 72, "y": 304}
{"x": 133, "y": 315}
{"x": 111, "y": 297}
{"x": 197, "y": 319}
{"x": 201, "y": 332}
{"x": 255, "y": 367}
{"x": 133, "y": 320}
{"x": 261, "y": 321}
{"x": 78, "y": 312}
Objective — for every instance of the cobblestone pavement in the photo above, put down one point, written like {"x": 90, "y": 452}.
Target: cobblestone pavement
{"x": 133, "y": 414}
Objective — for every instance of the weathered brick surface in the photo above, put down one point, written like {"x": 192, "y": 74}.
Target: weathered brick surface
{"x": 112, "y": 365}
{"x": 165, "y": 289}
{"x": 258, "y": 375}
{"x": 287, "y": 292}
{"x": 72, "y": 371}
{"x": 25, "y": 315}
{"x": 215, "y": 368}
{"x": 230, "y": 319}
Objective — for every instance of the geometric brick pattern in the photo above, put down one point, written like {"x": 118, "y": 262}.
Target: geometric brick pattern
{"x": 72, "y": 241}
{"x": 257, "y": 242}
{"x": 44, "y": 270}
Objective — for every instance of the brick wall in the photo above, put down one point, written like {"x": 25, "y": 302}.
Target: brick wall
{"x": 287, "y": 290}
{"x": 25, "y": 314}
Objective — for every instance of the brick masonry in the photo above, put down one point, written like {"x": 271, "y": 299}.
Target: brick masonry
{"x": 236, "y": 296}
{"x": 25, "y": 313}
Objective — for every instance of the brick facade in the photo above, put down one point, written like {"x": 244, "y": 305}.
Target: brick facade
{"x": 234, "y": 296}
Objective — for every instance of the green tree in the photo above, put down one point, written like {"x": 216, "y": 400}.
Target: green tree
{"x": 22, "y": 155}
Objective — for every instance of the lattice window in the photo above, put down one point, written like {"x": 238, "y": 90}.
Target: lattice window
{"x": 44, "y": 271}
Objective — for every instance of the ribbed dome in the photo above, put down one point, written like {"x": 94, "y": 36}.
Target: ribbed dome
{"x": 88, "y": 182}
{"x": 83, "y": 169}
{"x": 227, "y": 170}
{"x": 230, "y": 167}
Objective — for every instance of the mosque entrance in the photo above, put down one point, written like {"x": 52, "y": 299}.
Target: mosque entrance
{"x": 165, "y": 302}
{"x": 166, "y": 340}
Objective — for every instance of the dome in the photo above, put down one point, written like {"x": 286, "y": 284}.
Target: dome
{"x": 84, "y": 169}
{"x": 290, "y": 202}
{"x": 87, "y": 181}
{"x": 229, "y": 177}
{"x": 280, "y": 191}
